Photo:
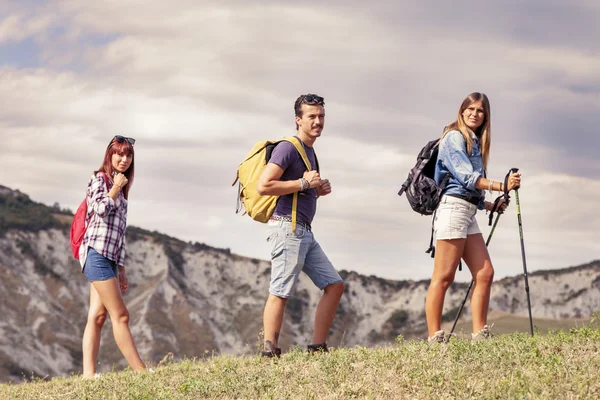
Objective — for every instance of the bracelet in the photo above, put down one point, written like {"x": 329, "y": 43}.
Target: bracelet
{"x": 304, "y": 184}
{"x": 490, "y": 186}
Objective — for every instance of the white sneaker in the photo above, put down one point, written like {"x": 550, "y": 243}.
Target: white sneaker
{"x": 438, "y": 337}
{"x": 96, "y": 376}
{"x": 483, "y": 334}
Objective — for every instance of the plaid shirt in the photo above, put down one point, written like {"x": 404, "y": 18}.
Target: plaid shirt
{"x": 106, "y": 221}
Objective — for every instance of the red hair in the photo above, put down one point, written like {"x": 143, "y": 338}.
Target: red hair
{"x": 121, "y": 148}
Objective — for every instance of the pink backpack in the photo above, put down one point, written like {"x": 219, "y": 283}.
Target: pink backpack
{"x": 78, "y": 224}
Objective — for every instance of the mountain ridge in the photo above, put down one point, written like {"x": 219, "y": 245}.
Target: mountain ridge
{"x": 192, "y": 299}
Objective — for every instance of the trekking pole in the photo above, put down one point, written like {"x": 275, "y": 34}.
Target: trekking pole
{"x": 487, "y": 242}
{"x": 513, "y": 170}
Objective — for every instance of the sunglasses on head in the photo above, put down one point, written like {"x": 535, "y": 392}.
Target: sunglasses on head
{"x": 312, "y": 98}
{"x": 121, "y": 139}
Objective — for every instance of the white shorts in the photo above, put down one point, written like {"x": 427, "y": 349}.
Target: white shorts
{"x": 455, "y": 219}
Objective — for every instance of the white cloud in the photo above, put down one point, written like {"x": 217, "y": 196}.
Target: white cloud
{"x": 198, "y": 84}
{"x": 18, "y": 26}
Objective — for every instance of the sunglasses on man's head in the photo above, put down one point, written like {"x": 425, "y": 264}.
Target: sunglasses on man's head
{"x": 121, "y": 139}
{"x": 312, "y": 98}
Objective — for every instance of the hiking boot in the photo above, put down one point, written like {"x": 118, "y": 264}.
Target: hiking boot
{"x": 483, "y": 334}
{"x": 271, "y": 353}
{"x": 438, "y": 337}
{"x": 317, "y": 348}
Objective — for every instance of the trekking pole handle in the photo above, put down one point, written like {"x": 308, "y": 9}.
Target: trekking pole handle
{"x": 511, "y": 171}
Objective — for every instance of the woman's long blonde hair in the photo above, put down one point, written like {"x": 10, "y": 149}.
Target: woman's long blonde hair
{"x": 484, "y": 132}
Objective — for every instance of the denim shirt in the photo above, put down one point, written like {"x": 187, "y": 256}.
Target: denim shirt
{"x": 464, "y": 169}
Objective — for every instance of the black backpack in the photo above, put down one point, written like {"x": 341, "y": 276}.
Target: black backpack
{"x": 420, "y": 188}
{"x": 421, "y": 191}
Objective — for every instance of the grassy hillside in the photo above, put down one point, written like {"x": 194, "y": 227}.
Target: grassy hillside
{"x": 557, "y": 365}
{"x": 19, "y": 212}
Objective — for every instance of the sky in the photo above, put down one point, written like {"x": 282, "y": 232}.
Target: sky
{"x": 197, "y": 83}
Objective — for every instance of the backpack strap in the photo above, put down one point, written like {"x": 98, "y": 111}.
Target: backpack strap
{"x": 431, "y": 249}
{"x": 405, "y": 185}
{"x": 105, "y": 177}
{"x": 443, "y": 183}
{"x": 106, "y": 182}
{"x": 298, "y": 145}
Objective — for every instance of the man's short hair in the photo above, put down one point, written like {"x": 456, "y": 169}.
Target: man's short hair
{"x": 309, "y": 99}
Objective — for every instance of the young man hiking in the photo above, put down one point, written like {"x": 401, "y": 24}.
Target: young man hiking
{"x": 293, "y": 251}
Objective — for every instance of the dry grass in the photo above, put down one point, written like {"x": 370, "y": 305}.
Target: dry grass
{"x": 558, "y": 365}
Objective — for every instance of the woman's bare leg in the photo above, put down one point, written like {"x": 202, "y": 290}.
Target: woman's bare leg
{"x": 447, "y": 257}
{"x": 110, "y": 296}
{"x": 91, "y": 334}
{"x": 478, "y": 260}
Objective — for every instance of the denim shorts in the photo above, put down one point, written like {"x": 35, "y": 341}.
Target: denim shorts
{"x": 98, "y": 268}
{"x": 293, "y": 252}
{"x": 455, "y": 219}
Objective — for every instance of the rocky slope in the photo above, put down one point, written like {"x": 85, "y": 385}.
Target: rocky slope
{"x": 190, "y": 300}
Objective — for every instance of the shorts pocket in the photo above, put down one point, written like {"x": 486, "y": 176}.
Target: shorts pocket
{"x": 461, "y": 207}
{"x": 442, "y": 218}
{"x": 299, "y": 233}
{"x": 445, "y": 206}
{"x": 271, "y": 235}
{"x": 460, "y": 218}
{"x": 276, "y": 243}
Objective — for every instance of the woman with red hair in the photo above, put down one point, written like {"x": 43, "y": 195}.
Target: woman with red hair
{"x": 102, "y": 254}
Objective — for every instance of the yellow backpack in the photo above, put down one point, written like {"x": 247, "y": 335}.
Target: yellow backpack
{"x": 260, "y": 208}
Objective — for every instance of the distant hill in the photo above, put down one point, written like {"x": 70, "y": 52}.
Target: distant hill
{"x": 191, "y": 299}
{"x": 504, "y": 322}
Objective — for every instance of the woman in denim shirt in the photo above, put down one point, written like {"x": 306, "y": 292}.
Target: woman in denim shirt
{"x": 463, "y": 156}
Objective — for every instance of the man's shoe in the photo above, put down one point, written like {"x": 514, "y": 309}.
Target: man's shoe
{"x": 317, "y": 348}
{"x": 271, "y": 353}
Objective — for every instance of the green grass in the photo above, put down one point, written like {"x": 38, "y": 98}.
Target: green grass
{"x": 515, "y": 366}
{"x": 19, "y": 212}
